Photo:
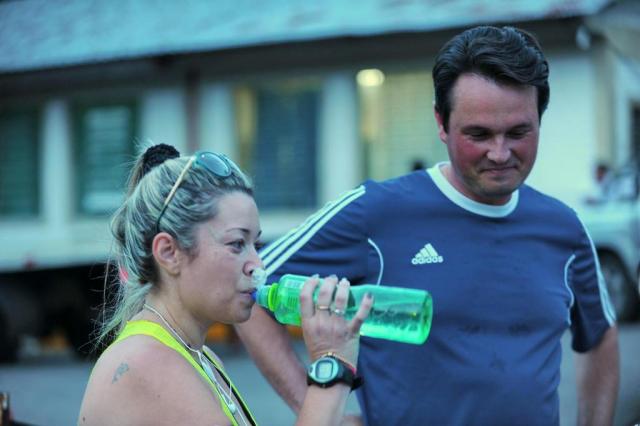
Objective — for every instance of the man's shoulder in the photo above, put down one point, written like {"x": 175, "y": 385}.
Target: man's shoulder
{"x": 411, "y": 185}
{"x": 533, "y": 198}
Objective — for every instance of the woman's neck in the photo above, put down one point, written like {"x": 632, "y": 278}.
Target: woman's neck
{"x": 176, "y": 320}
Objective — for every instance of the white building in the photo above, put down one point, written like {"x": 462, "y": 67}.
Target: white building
{"x": 310, "y": 98}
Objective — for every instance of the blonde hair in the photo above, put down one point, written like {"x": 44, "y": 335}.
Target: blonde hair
{"x": 133, "y": 227}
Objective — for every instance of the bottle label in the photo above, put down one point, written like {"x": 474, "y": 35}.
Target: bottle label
{"x": 293, "y": 281}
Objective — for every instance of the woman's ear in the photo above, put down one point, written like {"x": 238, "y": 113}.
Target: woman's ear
{"x": 166, "y": 253}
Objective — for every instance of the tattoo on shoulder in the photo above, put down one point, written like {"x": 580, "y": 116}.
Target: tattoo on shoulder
{"x": 123, "y": 368}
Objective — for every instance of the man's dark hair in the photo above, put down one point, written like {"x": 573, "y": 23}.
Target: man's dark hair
{"x": 505, "y": 55}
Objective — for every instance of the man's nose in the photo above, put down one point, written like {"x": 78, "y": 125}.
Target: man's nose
{"x": 499, "y": 152}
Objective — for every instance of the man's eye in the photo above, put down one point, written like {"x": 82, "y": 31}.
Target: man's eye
{"x": 258, "y": 245}
{"x": 479, "y": 136}
{"x": 517, "y": 135}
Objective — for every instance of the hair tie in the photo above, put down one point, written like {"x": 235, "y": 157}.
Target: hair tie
{"x": 156, "y": 155}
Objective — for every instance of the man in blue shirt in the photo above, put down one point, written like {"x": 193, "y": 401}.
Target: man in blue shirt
{"x": 509, "y": 268}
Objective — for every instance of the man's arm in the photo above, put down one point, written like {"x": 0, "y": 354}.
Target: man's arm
{"x": 337, "y": 247}
{"x": 269, "y": 345}
{"x": 598, "y": 376}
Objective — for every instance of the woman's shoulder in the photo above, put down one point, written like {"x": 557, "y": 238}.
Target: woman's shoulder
{"x": 135, "y": 359}
{"x": 141, "y": 380}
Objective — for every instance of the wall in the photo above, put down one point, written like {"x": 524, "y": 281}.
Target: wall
{"x": 627, "y": 93}
{"x": 568, "y": 133}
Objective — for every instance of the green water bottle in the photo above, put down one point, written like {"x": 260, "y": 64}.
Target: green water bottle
{"x": 399, "y": 314}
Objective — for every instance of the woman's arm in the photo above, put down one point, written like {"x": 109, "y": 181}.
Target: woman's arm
{"x": 269, "y": 345}
{"x": 324, "y": 406}
{"x": 326, "y": 331}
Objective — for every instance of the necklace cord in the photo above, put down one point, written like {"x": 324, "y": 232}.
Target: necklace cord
{"x": 227, "y": 397}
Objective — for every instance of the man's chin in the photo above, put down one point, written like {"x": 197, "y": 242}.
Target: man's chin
{"x": 500, "y": 195}
{"x": 491, "y": 191}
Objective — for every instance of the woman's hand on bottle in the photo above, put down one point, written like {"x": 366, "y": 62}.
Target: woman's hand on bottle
{"x": 323, "y": 324}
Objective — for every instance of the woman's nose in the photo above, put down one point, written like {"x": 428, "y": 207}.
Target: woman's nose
{"x": 254, "y": 263}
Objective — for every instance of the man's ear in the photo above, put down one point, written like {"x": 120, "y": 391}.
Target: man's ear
{"x": 166, "y": 253}
{"x": 441, "y": 131}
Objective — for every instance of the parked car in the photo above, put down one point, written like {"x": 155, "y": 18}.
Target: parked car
{"x": 613, "y": 221}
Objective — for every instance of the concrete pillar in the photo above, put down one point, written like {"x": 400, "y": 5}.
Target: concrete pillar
{"x": 339, "y": 151}
{"x": 162, "y": 120}
{"x": 217, "y": 120}
{"x": 58, "y": 190}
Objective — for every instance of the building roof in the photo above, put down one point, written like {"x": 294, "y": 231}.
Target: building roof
{"x": 38, "y": 34}
{"x": 620, "y": 24}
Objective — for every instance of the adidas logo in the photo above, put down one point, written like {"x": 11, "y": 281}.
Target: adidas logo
{"x": 427, "y": 254}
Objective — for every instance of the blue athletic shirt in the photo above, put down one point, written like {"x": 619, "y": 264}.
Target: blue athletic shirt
{"x": 506, "y": 281}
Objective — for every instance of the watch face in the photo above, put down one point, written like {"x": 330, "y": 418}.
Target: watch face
{"x": 323, "y": 370}
{"x": 327, "y": 371}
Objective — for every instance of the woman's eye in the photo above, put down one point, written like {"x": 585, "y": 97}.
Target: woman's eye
{"x": 237, "y": 244}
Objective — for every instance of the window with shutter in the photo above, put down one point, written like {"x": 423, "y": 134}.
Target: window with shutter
{"x": 278, "y": 137}
{"x": 397, "y": 124}
{"x": 104, "y": 149}
{"x": 19, "y": 174}
{"x": 635, "y": 134}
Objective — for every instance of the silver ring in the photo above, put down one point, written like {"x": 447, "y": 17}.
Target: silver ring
{"x": 322, "y": 307}
{"x": 337, "y": 311}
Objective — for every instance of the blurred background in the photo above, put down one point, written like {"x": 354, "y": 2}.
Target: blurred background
{"x": 310, "y": 98}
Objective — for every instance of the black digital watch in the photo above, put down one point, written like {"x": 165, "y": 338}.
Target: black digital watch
{"x": 326, "y": 371}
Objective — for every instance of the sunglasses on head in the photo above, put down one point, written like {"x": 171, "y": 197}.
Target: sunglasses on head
{"x": 217, "y": 164}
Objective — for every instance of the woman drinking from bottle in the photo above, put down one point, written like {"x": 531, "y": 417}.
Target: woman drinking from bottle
{"x": 185, "y": 241}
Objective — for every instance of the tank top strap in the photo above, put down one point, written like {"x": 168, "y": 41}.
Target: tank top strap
{"x": 214, "y": 361}
{"x": 149, "y": 328}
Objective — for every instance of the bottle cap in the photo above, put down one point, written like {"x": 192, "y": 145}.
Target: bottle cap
{"x": 258, "y": 277}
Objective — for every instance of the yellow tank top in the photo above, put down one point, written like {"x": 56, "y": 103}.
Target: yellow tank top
{"x": 154, "y": 330}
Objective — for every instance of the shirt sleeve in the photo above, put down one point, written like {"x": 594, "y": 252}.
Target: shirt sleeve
{"x": 591, "y": 313}
{"x": 331, "y": 241}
